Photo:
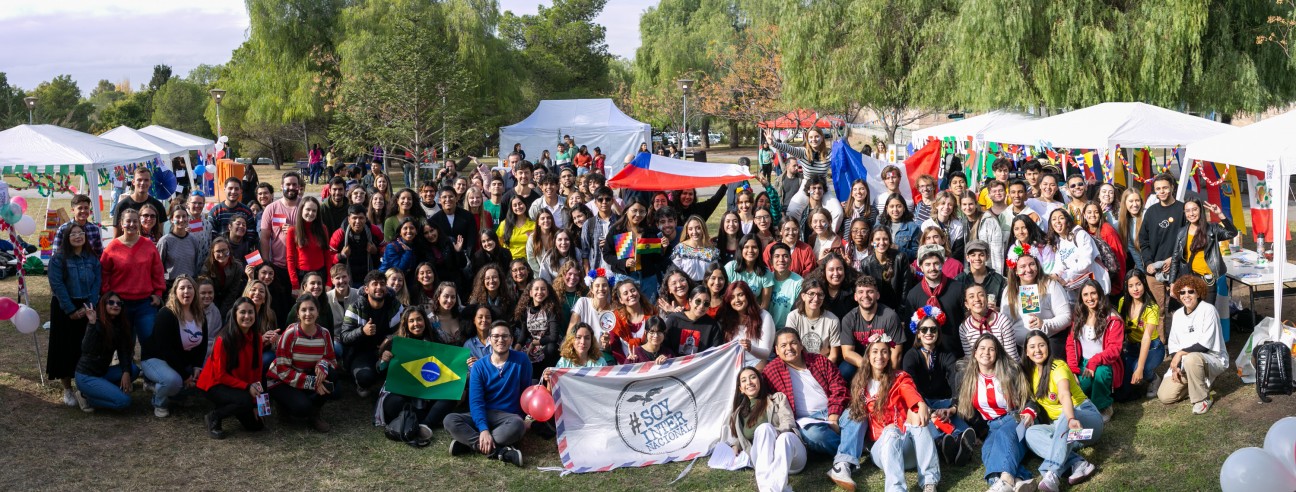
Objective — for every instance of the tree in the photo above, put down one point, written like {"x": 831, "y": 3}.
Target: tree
{"x": 161, "y": 74}
{"x": 748, "y": 85}
{"x": 204, "y": 75}
{"x": 13, "y": 111}
{"x": 59, "y": 103}
{"x": 179, "y": 104}
{"x": 131, "y": 110}
{"x": 561, "y": 48}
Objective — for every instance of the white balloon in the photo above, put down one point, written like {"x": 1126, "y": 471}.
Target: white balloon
{"x": 25, "y": 226}
{"x": 1281, "y": 443}
{"x": 26, "y": 319}
{"x": 220, "y": 145}
{"x": 1254, "y": 470}
{"x": 223, "y": 139}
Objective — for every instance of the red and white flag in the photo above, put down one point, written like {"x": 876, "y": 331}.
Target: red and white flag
{"x": 253, "y": 258}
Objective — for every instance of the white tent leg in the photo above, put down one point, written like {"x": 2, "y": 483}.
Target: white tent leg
{"x": 1184, "y": 169}
{"x": 1280, "y": 202}
{"x": 93, "y": 191}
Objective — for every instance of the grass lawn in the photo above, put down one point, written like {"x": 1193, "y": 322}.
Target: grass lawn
{"x": 1148, "y": 446}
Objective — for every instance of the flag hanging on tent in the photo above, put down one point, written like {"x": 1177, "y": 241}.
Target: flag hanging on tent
{"x": 925, "y": 161}
{"x": 427, "y": 370}
{"x": 1231, "y": 196}
{"x": 648, "y": 172}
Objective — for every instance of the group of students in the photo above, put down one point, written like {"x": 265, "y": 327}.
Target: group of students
{"x": 1018, "y": 338}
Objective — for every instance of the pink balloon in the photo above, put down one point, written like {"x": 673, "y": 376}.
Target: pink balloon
{"x": 538, "y": 403}
{"x": 22, "y": 203}
{"x": 8, "y": 308}
{"x": 72, "y": 189}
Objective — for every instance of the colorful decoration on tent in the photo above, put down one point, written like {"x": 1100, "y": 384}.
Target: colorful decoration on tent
{"x": 45, "y": 184}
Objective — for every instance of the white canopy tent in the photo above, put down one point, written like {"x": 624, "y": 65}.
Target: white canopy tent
{"x": 1104, "y": 127}
{"x": 53, "y": 149}
{"x": 135, "y": 138}
{"x": 974, "y": 127}
{"x": 590, "y": 122}
{"x": 1268, "y": 147}
{"x": 182, "y": 139}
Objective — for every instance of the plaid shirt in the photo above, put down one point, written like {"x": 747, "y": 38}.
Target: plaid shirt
{"x": 823, "y": 370}
{"x": 94, "y": 237}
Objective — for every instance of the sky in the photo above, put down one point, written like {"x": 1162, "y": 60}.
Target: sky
{"x": 123, "y": 39}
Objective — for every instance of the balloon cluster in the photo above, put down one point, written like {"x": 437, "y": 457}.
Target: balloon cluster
{"x": 12, "y": 213}
{"x": 21, "y": 315}
{"x": 538, "y": 403}
{"x": 1270, "y": 468}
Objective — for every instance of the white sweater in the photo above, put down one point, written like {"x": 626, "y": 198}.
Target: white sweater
{"x": 1200, "y": 327}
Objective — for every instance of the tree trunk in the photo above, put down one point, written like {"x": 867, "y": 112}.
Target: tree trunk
{"x": 706, "y": 133}
{"x": 733, "y": 134}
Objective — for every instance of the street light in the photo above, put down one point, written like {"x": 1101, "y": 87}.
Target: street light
{"x": 217, "y": 95}
{"x": 31, "y": 105}
{"x": 685, "y": 85}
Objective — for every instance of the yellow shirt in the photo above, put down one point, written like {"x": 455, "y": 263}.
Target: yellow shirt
{"x": 1050, "y": 403}
{"x": 517, "y": 244}
{"x": 1199, "y": 265}
{"x": 1150, "y": 317}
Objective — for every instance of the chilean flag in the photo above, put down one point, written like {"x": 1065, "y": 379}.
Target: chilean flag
{"x": 649, "y": 172}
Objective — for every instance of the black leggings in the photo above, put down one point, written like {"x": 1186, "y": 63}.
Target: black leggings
{"x": 237, "y": 403}
{"x": 298, "y": 403}
{"x": 431, "y": 412}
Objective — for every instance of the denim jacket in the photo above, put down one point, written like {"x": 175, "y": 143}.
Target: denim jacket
{"x": 906, "y": 239}
{"x": 75, "y": 277}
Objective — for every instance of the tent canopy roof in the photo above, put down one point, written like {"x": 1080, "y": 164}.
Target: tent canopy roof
{"x": 177, "y": 137}
{"x": 802, "y": 118}
{"x": 135, "y": 138}
{"x": 974, "y": 127}
{"x": 584, "y": 114}
{"x": 49, "y": 145}
{"x": 1107, "y": 125}
{"x": 1254, "y": 146}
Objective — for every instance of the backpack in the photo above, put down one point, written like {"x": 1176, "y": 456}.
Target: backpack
{"x": 1273, "y": 365}
{"x": 405, "y": 428}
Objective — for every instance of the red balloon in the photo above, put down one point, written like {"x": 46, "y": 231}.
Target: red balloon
{"x": 220, "y": 154}
{"x": 538, "y": 403}
{"x": 8, "y": 308}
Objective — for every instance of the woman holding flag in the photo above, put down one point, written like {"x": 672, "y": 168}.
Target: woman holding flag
{"x": 814, "y": 158}
{"x": 634, "y": 249}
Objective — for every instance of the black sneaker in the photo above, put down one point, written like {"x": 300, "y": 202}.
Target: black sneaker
{"x": 966, "y": 446}
{"x": 214, "y": 427}
{"x": 510, "y": 455}
{"x": 948, "y": 448}
{"x": 459, "y": 449}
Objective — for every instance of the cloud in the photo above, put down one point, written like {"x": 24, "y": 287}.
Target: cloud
{"x": 91, "y": 46}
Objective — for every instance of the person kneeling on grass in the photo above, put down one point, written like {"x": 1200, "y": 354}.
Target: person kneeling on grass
{"x": 1093, "y": 350}
{"x": 1196, "y": 345}
{"x": 108, "y": 332}
{"x": 368, "y": 322}
{"x": 232, "y": 374}
{"x": 1057, "y": 391}
{"x": 934, "y": 372}
{"x": 762, "y": 426}
{"x": 414, "y": 324}
{"x": 299, "y": 378}
{"x": 887, "y": 402}
{"x": 494, "y": 422}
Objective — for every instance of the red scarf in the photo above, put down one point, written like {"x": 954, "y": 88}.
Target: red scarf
{"x": 983, "y": 326}
{"x": 932, "y": 295}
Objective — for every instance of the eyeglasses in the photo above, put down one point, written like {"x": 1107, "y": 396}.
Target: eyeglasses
{"x": 814, "y": 295}
{"x": 602, "y": 199}
{"x": 1076, "y": 185}
{"x": 149, "y": 216}
{"x": 111, "y": 303}
{"x": 500, "y": 337}
{"x": 76, "y": 234}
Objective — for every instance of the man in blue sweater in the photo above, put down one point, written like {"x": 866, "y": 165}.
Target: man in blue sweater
{"x": 494, "y": 422}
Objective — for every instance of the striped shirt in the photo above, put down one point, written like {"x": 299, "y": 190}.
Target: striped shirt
{"x": 297, "y": 355}
{"x": 809, "y": 165}
{"x": 989, "y": 399}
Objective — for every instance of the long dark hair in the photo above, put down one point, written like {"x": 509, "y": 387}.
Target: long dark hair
{"x": 730, "y": 319}
{"x": 112, "y": 327}
{"x": 231, "y": 337}
{"x": 750, "y": 414}
{"x": 1201, "y": 240}
{"x": 549, "y": 305}
{"x": 885, "y": 219}
{"x": 312, "y": 232}
{"x": 1034, "y": 235}
{"x": 1127, "y": 300}
{"x": 510, "y": 221}
{"x": 1101, "y": 312}
{"x": 1052, "y": 237}
{"x": 65, "y": 244}
{"x": 758, "y": 266}
{"x": 859, "y": 400}
{"x": 1029, "y": 367}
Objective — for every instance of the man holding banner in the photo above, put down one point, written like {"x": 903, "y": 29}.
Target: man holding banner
{"x": 494, "y": 422}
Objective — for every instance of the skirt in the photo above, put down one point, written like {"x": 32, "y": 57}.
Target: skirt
{"x": 64, "y": 341}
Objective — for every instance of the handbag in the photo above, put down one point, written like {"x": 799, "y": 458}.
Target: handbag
{"x": 405, "y": 428}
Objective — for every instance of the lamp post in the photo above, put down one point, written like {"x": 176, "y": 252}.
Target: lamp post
{"x": 217, "y": 95}
{"x": 31, "y": 105}
{"x": 686, "y": 85}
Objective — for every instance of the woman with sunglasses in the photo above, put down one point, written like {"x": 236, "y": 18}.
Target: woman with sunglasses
{"x": 108, "y": 337}
{"x": 172, "y": 355}
{"x": 75, "y": 277}
{"x": 1196, "y": 346}
{"x": 692, "y": 330}
{"x": 133, "y": 269}
{"x": 935, "y": 374}
{"x": 762, "y": 425}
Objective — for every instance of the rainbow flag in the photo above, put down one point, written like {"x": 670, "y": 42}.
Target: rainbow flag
{"x": 624, "y": 244}
{"x": 648, "y": 245}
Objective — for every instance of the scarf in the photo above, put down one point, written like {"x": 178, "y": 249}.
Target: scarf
{"x": 982, "y": 326}
{"x": 934, "y": 295}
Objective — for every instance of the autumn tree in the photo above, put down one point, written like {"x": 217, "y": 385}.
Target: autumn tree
{"x": 747, "y": 86}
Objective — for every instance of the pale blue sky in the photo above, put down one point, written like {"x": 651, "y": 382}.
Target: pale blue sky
{"x": 123, "y": 39}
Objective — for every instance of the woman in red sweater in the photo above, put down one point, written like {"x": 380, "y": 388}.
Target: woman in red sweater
{"x": 307, "y": 243}
{"x": 897, "y": 421}
{"x": 1093, "y": 350}
{"x": 232, "y": 375}
{"x": 133, "y": 269}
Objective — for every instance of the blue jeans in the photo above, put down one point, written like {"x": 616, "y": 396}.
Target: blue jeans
{"x": 167, "y": 381}
{"x": 820, "y": 438}
{"x": 410, "y": 170}
{"x": 141, "y": 315}
{"x": 851, "y": 441}
{"x": 847, "y": 371}
{"x": 105, "y": 392}
{"x": 647, "y": 285}
{"x": 1130, "y": 354}
{"x": 1049, "y": 440}
{"x": 896, "y": 451}
{"x": 1003, "y": 450}
{"x": 957, "y": 421}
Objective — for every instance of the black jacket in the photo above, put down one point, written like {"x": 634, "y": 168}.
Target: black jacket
{"x": 891, "y": 293}
{"x": 940, "y": 382}
{"x": 1160, "y": 228}
{"x": 951, "y": 302}
{"x": 464, "y": 225}
{"x": 649, "y": 264}
{"x": 703, "y": 208}
{"x": 165, "y": 343}
{"x": 1217, "y": 232}
{"x": 95, "y": 357}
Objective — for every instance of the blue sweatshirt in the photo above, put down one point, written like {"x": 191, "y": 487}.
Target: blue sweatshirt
{"x": 491, "y": 388}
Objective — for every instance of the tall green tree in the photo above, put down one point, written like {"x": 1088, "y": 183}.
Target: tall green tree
{"x": 59, "y": 103}
{"x": 132, "y": 110}
{"x": 204, "y": 75}
{"x": 161, "y": 74}
{"x": 13, "y": 111}
{"x": 179, "y": 104}
{"x": 561, "y": 48}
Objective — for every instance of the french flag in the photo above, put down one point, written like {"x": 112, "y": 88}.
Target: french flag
{"x": 649, "y": 172}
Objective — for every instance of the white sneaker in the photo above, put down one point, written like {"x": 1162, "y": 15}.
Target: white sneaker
{"x": 841, "y": 475}
{"x": 161, "y": 412}
{"x": 82, "y": 402}
{"x": 69, "y": 397}
{"x": 1049, "y": 483}
{"x": 1081, "y": 471}
{"x": 1025, "y": 486}
{"x": 1154, "y": 386}
{"x": 1202, "y": 406}
{"x": 1107, "y": 414}
{"x": 1000, "y": 486}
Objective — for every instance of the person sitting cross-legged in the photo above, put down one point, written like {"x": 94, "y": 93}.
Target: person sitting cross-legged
{"x": 494, "y": 422}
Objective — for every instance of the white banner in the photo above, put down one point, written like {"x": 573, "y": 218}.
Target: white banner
{"x": 643, "y": 414}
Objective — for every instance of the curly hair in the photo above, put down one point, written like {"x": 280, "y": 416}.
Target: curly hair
{"x": 1192, "y": 282}
{"x": 568, "y": 350}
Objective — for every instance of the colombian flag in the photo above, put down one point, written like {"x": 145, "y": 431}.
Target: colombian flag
{"x": 426, "y": 370}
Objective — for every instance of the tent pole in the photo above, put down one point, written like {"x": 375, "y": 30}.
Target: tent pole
{"x": 93, "y": 191}
{"x": 1184, "y": 171}
{"x": 1279, "y": 263}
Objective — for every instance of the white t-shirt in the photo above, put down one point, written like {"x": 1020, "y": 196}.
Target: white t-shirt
{"x": 1089, "y": 347}
{"x": 601, "y": 321}
{"x": 810, "y": 397}
{"x": 818, "y": 334}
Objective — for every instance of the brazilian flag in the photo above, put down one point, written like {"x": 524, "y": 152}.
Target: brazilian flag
{"x": 426, "y": 370}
